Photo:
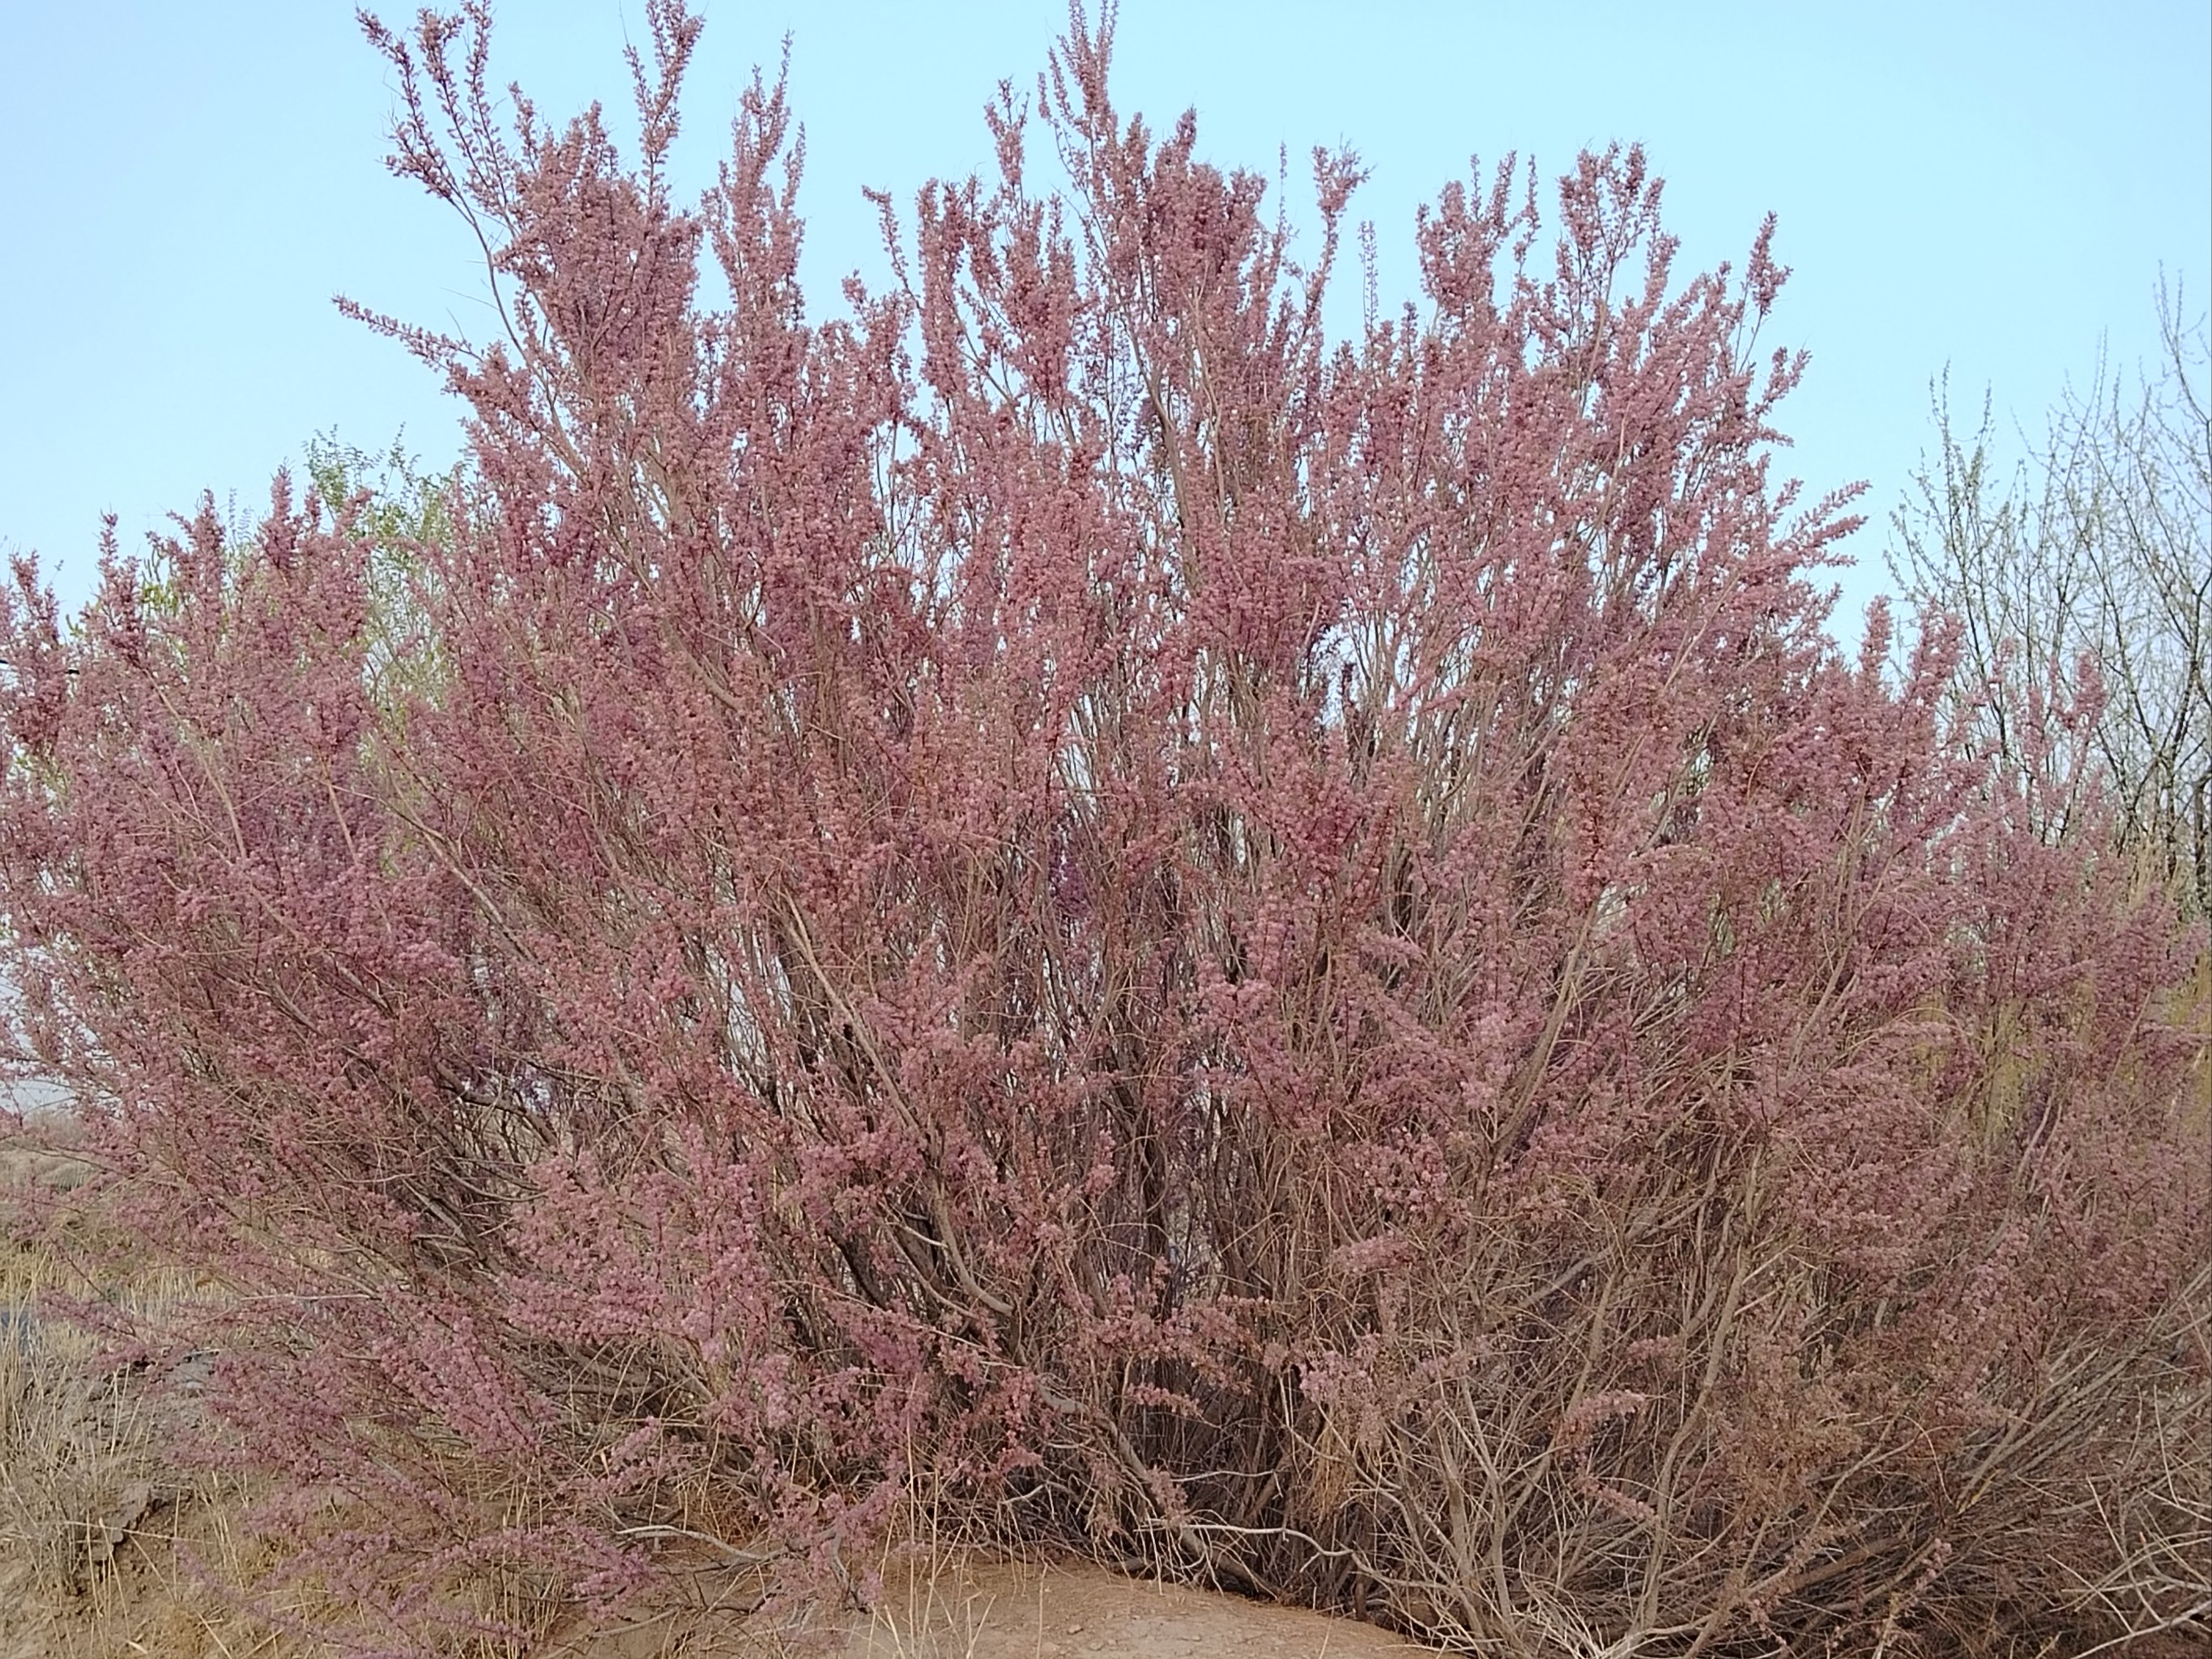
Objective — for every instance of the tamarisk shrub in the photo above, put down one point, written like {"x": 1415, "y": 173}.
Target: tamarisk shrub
{"x": 1294, "y": 964}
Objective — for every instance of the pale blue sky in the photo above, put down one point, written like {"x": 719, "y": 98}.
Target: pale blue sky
{"x": 1994, "y": 187}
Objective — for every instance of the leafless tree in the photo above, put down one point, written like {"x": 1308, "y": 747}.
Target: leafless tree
{"x": 2099, "y": 546}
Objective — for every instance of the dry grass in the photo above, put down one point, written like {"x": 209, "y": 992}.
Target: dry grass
{"x": 106, "y": 1546}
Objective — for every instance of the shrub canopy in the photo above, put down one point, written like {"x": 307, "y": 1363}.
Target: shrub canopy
{"x": 1296, "y": 962}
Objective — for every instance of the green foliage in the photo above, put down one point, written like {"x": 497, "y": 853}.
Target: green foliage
{"x": 400, "y": 510}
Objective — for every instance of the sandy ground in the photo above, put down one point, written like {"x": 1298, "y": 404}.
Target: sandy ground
{"x": 1082, "y": 1613}
{"x": 1015, "y": 1612}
